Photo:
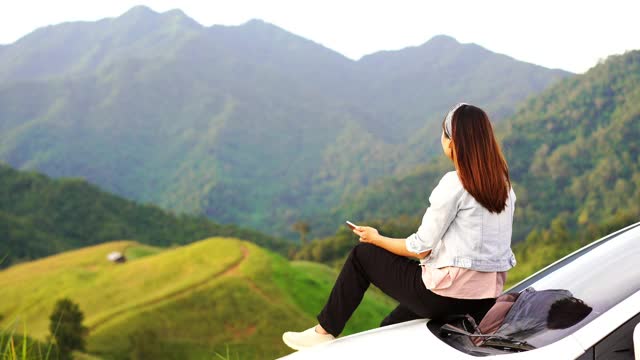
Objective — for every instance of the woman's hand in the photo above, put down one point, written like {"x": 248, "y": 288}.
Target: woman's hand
{"x": 367, "y": 234}
{"x": 397, "y": 246}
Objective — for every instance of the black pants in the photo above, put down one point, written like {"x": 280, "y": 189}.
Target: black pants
{"x": 398, "y": 277}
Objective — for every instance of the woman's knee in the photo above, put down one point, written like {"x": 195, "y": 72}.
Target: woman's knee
{"x": 362, "y": 249}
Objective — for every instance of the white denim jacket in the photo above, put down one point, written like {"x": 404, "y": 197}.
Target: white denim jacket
{"x": 461, "y": 232}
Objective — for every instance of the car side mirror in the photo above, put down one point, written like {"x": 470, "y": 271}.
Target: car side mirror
{"x": 636, "y": 341}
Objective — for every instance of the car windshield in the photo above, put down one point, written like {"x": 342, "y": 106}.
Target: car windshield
{"x": 601, "y": 275}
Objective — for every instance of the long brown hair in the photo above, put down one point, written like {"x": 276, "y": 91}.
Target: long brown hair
{"x": 478, "y": 159}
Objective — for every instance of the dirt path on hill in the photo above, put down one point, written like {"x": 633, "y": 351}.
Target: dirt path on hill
{"x": 230, "y": 271}
{"x": 254, "y": 287}
{"x": 233, "y": 269}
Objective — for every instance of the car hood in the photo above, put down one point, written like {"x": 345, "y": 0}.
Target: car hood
{"x": 391, "y": 342}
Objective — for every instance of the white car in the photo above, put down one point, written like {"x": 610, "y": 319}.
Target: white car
{"x": 604, "y": 274}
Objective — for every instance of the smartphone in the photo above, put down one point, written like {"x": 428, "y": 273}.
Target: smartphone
{"x": 351, "y": 225}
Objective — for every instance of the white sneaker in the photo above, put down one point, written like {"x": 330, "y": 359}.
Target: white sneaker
{"x": 305, "y": 339}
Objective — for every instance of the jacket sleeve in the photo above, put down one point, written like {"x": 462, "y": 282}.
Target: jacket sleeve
{"x": 443, "y": 207}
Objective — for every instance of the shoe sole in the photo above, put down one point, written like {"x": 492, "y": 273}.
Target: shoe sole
{"x": 297, "y": 348}
{"x": 284, "y": 339}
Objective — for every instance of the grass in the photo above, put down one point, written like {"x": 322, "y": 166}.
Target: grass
{"x": 23, "y": 347}
{"x": 310, "y": 285}
{"x": 224, "y": 357}
{"x": 138, "y": 251}
{"x": 207, "y": 299}
{"x": 102, "y": 289}
{"x": 13, "y": 347}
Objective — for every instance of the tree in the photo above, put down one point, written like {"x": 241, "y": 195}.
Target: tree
{"x": 66, "y": 327}
{"x": 303, "y": 228}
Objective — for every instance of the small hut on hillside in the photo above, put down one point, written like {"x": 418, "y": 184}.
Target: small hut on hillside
{"x": 116, "y": 257}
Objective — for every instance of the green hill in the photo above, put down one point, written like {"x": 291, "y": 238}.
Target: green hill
{"x": 245, "y": 124}
{"x": 40, "y": 216}
{"x": 181, "y": 303}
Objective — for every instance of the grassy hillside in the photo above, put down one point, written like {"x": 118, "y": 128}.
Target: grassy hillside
{"x": 181, "y": 303}
{"x": 40, "y": 216}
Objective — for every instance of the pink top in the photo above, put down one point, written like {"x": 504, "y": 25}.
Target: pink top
{"x": 461, "y": 283}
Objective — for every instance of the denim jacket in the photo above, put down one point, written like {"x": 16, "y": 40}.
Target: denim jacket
{"x": 461, "y": 232}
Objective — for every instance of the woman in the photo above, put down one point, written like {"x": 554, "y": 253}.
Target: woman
{"x": 463, "y": 243}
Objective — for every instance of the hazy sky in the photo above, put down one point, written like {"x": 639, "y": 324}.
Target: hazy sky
{"x": 571, "y": 35}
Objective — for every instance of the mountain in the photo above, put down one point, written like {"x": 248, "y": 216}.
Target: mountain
{"x": 574, "y": 159}
{"x": 189, "y": 302}
{"x": 40, "y": 216}
{"x": 84, "y": 47}
{"x": 420, "y": 83}
{"x": 245, "y": 124}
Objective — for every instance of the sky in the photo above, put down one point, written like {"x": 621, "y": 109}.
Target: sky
{"x": 570, "y": 35}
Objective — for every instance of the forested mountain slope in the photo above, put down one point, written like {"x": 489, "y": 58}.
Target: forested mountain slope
{"x": 40, "y": 216}
{"x": 245, "y": 124}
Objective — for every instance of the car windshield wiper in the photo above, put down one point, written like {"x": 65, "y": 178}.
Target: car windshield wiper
{"x": 493, "y": 340}
{"x": 508, "y": 344}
